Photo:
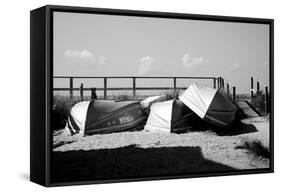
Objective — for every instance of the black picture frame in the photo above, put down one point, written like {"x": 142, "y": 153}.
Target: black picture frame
{"x": 41, "y": 83}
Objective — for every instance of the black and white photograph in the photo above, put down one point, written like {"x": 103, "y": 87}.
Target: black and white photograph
{"x": 138, "y": 97}
{"x": 143, "y": 95}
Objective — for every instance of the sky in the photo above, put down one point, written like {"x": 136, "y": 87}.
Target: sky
{"x": 105, "y": 45}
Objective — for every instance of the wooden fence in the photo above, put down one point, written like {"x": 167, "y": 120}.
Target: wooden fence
{"x": 217, "y": 82}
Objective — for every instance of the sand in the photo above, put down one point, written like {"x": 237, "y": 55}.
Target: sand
{"x": 219, "y": 147}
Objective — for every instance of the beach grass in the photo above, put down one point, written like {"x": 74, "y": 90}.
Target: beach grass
{"x": 254, "y": 146}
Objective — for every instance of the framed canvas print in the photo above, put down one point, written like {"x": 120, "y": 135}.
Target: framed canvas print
{"x": 122, "y": 95}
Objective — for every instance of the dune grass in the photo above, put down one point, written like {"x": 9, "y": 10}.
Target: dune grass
{"x": 61, "y": 108}
{"x": 259, "y": 102}
{"x": 255, "y": 147}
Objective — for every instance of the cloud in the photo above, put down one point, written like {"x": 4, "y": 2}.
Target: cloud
{"x": 192, "y": 63}
{"x": 85, "y": 54}
{"x": 146, "y": 65}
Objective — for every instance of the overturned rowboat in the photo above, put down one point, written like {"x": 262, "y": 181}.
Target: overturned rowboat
{"x": 194, "y": 107}
{"x": 171, "y": 116}
{"x": 209, "y": 104}
{"x": 104, "y": 116}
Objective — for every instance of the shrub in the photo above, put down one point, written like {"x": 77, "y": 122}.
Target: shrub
{"x": 258, "y": 101}
{"x": 123, "y": 97}
{"x": 61, "y": 108}
{"x": 171, "y": 94}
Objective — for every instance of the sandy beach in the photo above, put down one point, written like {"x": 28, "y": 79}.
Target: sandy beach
{"x": 149, "y": 154}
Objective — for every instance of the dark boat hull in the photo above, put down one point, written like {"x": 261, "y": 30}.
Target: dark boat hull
{"x": 103, "y": 116}
{"x": 128, "y": 118}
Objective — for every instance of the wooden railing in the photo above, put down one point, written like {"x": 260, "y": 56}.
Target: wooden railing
{"x": 217, "y": 82}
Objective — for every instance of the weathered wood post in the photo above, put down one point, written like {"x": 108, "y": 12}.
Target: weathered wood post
{"x": 175, "y": 85}
{"x": 105, "y": 88}
{"x": 71, "y": 87}
{"x": 93, "y": 93}
{"x": 214, "y": 80}
{"x": 266, "y": 101}
{"x": 252, "y": 88}
{"x": 227, "y": 88}
{"x": 234, "y": 94}
{"x": 258, "y": 87}
{"x": 134, "y": 87}
{"x": 81, "y": 92}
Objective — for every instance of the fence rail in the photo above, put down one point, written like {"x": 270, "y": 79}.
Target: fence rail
{"x": 118, "y": 88}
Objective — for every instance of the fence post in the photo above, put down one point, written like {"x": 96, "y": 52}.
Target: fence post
{"x": 222, "y": 82}
{"x": 105, "y": 88}
{"x": 93, "y": 93}
{"x": 81, "y": 91}
{"x": 258, "y": 87}
{"x": 175, "y": 84}
{"x": 234, "y": 94}
{"x": 71, "y": 87}
{"x": 252, "y": 88}
{"x": 134, "y": 87}
{"x": 218, "y": 82}
{"x": 227, "y": 88}
{"x": 266, "y": 101}
{"x": 215, "y": 83}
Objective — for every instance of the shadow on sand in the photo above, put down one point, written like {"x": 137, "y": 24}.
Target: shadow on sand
{"x": 130, "y": 162}
{"x": 238, "y": 128}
